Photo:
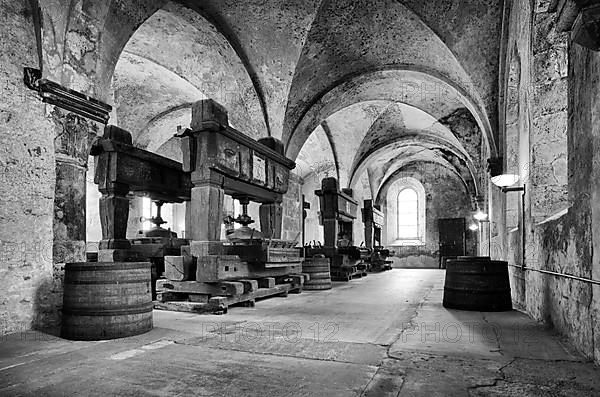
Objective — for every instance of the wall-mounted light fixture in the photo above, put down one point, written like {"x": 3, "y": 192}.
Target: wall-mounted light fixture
{"x": 499, "y": 178}
{"x": 480, "y": 216}
{"x": 65, "y": 98}
{"x": 514, "y": 189}
{"x": 505, "y": 180}
{"x": 473, "y": 227}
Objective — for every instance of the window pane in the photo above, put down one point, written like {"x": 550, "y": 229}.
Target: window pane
{"x": 408, "y": 232}
{"x": 407, "y": 195}
{"x": 408, "y": 214}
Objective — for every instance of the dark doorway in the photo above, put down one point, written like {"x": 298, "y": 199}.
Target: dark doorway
{"x": 452, "y": 239}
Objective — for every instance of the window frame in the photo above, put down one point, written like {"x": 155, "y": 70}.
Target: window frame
{"x": 414, "y": 215}
{"x": 396, "y": 190}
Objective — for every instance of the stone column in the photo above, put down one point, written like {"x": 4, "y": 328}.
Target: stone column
{"x": 71, "y": 145}
{"x": 71, "y": 142}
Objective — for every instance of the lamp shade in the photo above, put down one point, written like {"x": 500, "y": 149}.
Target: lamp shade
{"x": 505, "y": 180}
{"x": 480, "y": 215}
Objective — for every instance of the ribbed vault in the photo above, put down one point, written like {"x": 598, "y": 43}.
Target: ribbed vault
{"x": 354, "y": 88}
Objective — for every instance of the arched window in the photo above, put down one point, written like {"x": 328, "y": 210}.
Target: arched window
{"x": 408, "y": 215}
{"x": 405, "y": 212}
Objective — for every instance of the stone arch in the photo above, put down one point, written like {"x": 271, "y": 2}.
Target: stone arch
{"x": 385, "y": 185}
{"x": 459, "y": 163}
{"x": 400, "y": 83}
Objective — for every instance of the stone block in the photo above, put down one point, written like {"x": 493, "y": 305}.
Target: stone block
{"x": 550, "y": 65}
{"x": 545, "y": 35}
{"x": 550, "y": 98}
{"x": 552, "y": 127}
{"x": 180, "y": 268}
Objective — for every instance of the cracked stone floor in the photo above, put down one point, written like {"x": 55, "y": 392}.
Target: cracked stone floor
{"x": 383, "y": 335}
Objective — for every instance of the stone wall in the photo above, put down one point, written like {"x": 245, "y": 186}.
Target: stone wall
{"x": 26, "y": 182}
{"x": 548, "y": 165}
{"x": 560, "y": 169}
{"x": 446, "y": 197}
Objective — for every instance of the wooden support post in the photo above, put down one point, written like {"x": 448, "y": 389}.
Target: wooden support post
{"x": 114, "y": 214}
{"x": 369, "y": 235}
{"x": 218, "y": 304}
{"x": 267, "y": 282}
{"x": 206, "y": 219}
{"x": 330, "y": 231}
{"x": 297, "y": 283}
{"x": 207, "y": 207}
{"x": 271, "y": 216}
{"x": 249, "y": 285}
{"x": 249, "y": 303}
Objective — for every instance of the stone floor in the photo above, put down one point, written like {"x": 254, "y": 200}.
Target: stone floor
{"x": 384, "y": 335}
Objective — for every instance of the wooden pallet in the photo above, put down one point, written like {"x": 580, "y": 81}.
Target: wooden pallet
{"x": 202, "y": 297}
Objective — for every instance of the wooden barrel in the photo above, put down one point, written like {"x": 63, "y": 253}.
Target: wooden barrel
{"x": 477, "y": 283}
{"x": 320, "y": 274}
{"x": 105, "y": 300}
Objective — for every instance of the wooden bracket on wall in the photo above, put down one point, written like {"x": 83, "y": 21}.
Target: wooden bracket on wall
{"x": 65, "y": 98}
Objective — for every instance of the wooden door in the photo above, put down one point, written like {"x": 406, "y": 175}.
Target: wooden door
{"x": 451, "y": 237}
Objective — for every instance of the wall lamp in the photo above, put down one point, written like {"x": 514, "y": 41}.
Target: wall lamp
{"x": 65, "y": 98}
{"x": 473, "y": 227}
{"x": 497, "y": 177}
{"x": 504, "y": 181}
{"x": 482, "y": 217}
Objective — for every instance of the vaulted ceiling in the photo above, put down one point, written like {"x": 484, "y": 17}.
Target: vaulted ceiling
{"x": 357, "y": 89}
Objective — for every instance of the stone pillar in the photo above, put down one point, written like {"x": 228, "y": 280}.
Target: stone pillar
{"x": 71, "y": 145}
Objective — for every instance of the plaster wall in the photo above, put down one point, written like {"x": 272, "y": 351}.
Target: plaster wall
{"x": 26, "y": 182}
